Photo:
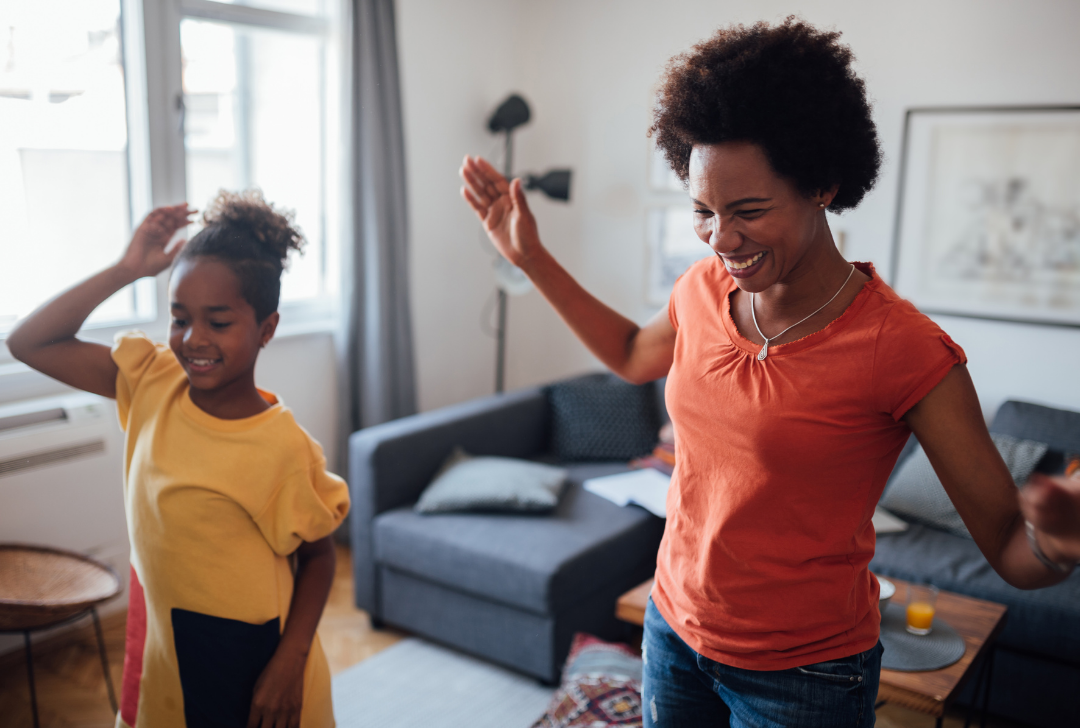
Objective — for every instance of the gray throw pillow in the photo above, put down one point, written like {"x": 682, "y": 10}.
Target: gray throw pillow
{"x": 916, "y": 493}
{"x": 467, "y": 483}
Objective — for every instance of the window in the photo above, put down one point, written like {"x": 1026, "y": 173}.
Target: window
{"x": 90, "y": 135}
{"x": 256, "y": 97}
{"x": 63, "y": 155}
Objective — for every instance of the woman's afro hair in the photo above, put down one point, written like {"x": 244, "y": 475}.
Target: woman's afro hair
{"x": 788, "y": 88}
{"x": 254, "y": 239}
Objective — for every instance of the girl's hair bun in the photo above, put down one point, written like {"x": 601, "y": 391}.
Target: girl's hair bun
{"x": 254, "y": 239}
{"x": 271, "y": 228}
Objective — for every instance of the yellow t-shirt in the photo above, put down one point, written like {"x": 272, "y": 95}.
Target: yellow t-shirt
{"x": 214, "y": 508}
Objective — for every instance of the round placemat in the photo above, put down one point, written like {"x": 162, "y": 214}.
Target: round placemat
{"x": 908, "y": 652}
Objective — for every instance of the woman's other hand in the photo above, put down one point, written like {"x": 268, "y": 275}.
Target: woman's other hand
{"x": 1052, "y": 505}
{"x": 279, "y": 692}
{"x": 147, "y": 253}
{"x": 502, "y": 209}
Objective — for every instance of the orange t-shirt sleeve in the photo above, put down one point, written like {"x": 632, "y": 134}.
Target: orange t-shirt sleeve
{"x": 672, "y": 316}
{"x": 912, "y": 356}
{"x": 134, "y": 354}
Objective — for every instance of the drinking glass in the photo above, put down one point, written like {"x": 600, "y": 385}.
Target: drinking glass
{"x": 921, "y": 603}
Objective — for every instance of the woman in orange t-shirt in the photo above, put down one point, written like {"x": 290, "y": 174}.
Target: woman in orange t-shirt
{"x": 794, "y": 380}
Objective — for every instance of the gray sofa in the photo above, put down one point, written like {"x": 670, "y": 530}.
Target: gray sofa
{"x": 510, "y": 588}
{"x": 1036, "y": 669}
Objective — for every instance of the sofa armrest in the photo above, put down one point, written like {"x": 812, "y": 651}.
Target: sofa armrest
{"x": 391, "y": 464}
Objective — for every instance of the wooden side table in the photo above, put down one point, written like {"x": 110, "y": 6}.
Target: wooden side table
{"x": 979, "y": 622}
{"x": 631, "y": 606}
{"x": 930, "y": 692}
{"x": 43, "y": 587}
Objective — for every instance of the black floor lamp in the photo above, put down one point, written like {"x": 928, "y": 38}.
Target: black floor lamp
{"x": 511, "y": 114}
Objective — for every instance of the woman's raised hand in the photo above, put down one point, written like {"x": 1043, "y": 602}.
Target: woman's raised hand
{"x": 502, "y": 209}
{"x": 146, "y": 254}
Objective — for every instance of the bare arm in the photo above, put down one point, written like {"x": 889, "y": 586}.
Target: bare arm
{"x": 279, "y": 692}
{"x": 46, "y": 339}
{"x": 636, "y": 353}
{"x": 951, "y": 429}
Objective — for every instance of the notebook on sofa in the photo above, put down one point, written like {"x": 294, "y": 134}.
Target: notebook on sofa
{"x": 646, "y": 488}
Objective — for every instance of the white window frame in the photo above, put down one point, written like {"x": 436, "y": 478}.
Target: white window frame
{"x": 156, "y": 154}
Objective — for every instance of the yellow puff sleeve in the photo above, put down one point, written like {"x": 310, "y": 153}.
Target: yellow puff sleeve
{"x": 308, "y": 505}
{"x": 134, "y": 354}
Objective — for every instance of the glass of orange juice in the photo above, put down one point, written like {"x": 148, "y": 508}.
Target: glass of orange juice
{"x": 921, "y": 602}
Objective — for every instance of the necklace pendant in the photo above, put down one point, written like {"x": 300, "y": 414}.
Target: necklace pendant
{"x": 764, "y": 351}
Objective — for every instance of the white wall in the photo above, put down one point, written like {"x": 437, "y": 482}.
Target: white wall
{"x": 458, "y": 61}
{"x": 302, "y": 371}
{"x": 589, "y": 68}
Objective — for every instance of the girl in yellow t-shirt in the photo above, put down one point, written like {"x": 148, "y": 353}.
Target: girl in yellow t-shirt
{"x": 221, "y": 483}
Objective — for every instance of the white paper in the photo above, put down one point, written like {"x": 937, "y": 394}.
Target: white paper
{"x": 646, "y": 487}
{"x": 885, "y": 522}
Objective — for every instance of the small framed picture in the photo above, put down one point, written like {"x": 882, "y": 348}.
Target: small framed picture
{"x": 673, "y": 247}
{"x": 988, "y": 213}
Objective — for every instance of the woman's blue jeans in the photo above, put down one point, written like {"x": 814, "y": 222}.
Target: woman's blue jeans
{"x": 682, "y": 689}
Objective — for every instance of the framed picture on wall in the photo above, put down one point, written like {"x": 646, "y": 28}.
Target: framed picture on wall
{"x": 673, "y": 247}
{"x": 988, "y": 213}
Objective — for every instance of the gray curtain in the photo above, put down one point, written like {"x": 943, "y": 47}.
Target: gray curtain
{"x": 376, "y": 340}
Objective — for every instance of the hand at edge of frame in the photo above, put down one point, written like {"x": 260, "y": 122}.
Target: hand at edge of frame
{"x": 1052, "y": 505}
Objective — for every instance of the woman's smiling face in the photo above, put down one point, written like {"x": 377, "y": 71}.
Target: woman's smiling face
{"x": 759, "y": 223}
{"x": 214, "y": 333}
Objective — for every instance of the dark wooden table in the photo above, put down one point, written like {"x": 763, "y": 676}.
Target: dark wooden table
{"x": 931, "y": 692}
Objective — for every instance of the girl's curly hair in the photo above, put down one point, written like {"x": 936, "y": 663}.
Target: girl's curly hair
{"x": 254, "y": 239}
{"x": 788, "y": 88}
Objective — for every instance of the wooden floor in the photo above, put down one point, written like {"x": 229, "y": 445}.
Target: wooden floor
{"x": 71, "y": 691}
{"x": 67, "y": 670}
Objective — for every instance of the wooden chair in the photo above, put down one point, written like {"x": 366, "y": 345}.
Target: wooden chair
{"x": 42, "y": 587}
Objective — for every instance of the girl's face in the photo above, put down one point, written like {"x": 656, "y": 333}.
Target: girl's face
{"x": 214, "y": 334}
{"x": 759, "y": 223}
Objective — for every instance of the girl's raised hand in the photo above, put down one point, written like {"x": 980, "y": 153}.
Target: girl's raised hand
{"x": 146, "y": 254}
{"x": 502, "y": 209}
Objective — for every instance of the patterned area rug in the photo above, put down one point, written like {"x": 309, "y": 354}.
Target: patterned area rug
{"x": 415, "y": 684}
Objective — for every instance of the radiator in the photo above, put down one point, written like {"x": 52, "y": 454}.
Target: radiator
{"x": 61, "y": 481}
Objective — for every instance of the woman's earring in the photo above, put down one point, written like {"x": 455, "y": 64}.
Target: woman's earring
{"x": 821, "y": 204}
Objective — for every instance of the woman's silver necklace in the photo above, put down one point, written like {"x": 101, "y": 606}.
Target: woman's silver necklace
{"x": 765, "y": 349}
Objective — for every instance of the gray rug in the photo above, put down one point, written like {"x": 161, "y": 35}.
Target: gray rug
{"x": 415, "y": 684}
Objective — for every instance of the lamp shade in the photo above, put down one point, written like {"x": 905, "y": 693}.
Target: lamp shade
{"x": 555, "y": 184}
{"x": 511, "y": 114}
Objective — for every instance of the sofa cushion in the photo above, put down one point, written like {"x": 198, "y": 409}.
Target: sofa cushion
{"x": 487, "y": 484}
{"x": 916, "y": 493}
{"x": 601, "y": 417}
{"x": 537, "y": 563}
{"x": 1043, "y": 621}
